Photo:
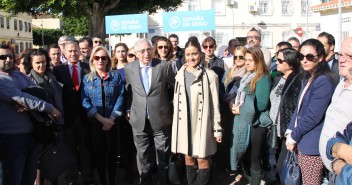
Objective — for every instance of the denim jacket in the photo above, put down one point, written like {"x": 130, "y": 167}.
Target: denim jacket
{"x": 114, "y": 95}
{"x": 345, "y": 176}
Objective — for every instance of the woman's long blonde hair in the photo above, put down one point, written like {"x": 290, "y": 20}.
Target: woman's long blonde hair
{"x": 234, "y": 67}
{"x": 260, "y": 69}
{"x": 91, "y": 65}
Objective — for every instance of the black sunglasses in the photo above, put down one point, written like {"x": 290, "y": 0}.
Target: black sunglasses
{"x": 130, "y": 55}
{"x": 210, "y": 46}
{"x": 238, "y": 57}
{"x": 309, "y": 56}
{"x": 161, "y": 47}
{"x": 100, "y": 57}
{"x": 281, "y": 61}
{"x": 4, "y": 57}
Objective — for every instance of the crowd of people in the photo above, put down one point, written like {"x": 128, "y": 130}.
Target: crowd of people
{"x": 224, "y": 113}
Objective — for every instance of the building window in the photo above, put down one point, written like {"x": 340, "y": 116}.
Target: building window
{"x": 287, "y": 7}
{"x": 7, "y": 23}
{"x": 15, "y": 24}
{"x": 265, "y": 7}
{"x": 27, "y": 45}
{"x": 20, "y": 24}
{"x": 220, "y": 38}
{"x": 21, "y": 47}
{"x": 346, "y": 27}
{"x": 30, "y": 45}
{"x": 25, "y": 27}
{"x": 267, "y": 39}
{"x": 2, "y": 22}
{"x": 29, "y": 27}
{"x": 192, "y": 5}
{"x": 305, "y": 8}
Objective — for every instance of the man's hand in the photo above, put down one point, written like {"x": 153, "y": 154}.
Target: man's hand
{"x": 55, "y": 113}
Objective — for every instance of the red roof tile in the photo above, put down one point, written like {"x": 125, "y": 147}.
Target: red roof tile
{"x": 333, "y": 4}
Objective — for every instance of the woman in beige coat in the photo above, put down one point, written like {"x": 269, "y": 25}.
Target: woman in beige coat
{"x": 196, "y": 122}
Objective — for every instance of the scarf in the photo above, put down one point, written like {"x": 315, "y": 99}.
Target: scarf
{"x": 241, "y": 95}
{"x": 44, "y": 82}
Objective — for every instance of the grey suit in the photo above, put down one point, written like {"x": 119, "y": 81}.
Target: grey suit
{"x": 156, "y": 129}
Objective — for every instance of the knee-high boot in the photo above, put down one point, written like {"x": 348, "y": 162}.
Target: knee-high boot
{"x": 256, "y": 177}
{"x": 204, "y": 176}
{"x": 191, "y": 175}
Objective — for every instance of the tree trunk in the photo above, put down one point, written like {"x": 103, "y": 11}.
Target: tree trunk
{"x": 96, "y": 20}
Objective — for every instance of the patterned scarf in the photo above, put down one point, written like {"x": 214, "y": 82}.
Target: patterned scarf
{"x": 241, "y": 95}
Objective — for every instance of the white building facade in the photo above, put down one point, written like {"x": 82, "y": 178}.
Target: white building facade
{"x": 16, "y": 31}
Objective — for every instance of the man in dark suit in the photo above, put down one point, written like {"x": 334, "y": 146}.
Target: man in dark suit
{"x": 329, "y": 45}
{"x": 148, "y": 82}
{"x": 76, "y": 130}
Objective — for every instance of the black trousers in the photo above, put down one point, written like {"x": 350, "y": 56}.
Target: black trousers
{"x": 147, "y": 142}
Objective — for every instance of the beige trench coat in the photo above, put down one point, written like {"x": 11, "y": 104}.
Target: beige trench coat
{"x": 205, "y": 114}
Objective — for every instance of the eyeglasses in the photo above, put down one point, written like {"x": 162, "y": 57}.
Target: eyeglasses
{"x": 98, "y": 41}
{"x": 310, "y": 57}
{"x": 161, "y": 47}
{"x": 340, "y": 56}
{"x": 253, "y": 37}
{"x": 210, "y": 47}
{"x": 4, "y": 57}
{"x": 131, "y": 55}
{"x": 142, "y": 51}
{"x": 281, "y": 61}
{"x": 103, "y": 58}
{"x": 238, "y": 57}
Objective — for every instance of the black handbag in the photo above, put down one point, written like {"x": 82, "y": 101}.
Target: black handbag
{"x": 176, "y": 168}
{"x": 291, "y": 173}
{"x": 56, "y": 159}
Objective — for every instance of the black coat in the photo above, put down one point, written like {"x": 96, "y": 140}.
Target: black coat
{"x": 289, "y": 99}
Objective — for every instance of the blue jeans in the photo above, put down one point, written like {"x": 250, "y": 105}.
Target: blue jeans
{"x": 19, "y": 159}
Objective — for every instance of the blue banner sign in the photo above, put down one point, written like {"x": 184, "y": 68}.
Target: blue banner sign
{"x": 189, "y": 21}
{"x": 132, "y": 23}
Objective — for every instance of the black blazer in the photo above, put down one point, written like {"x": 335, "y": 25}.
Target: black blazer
{"x": 70, "y": 97}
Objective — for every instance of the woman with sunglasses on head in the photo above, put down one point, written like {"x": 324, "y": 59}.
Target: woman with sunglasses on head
{"x": 307, "y": 121}
{"x": 196, "y": 121}
{"x": 164, "y": 51}
{"x": 283, "y": 99}
{"x": 250, "y": 106}
{"x": 119, "y": 58}
{"x": 103, "y": 98}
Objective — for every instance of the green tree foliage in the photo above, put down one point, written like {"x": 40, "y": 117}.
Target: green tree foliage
{"x": 76, "y": 26}
{"x": 96, "y": 10}
{"x": 51, "y": 36}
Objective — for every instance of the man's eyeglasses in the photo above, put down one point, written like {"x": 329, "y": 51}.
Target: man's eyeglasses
{"x": 281, "y": 61}
{"x": 103, "y": 58}
{"x": 131, "y": 55}
{"x": 210, "y": 47}
{"x": 310, "y": 57}
{"x": 238, "y": 57}
{"x": 340, "y": 55}
{"x": 161, "y": 47}
{"x": 253, "y": 37}
{"x": 4, "y": 57}
{"x": 142, "y": 51}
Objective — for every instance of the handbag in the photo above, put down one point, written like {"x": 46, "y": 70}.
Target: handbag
{"x": 176, "y": 168}
{"x": 56, "y": 159}
{"x": 291, "y": 173}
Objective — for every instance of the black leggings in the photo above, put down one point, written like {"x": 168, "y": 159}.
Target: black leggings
{"x": 257, "y": 140}
{"x": 106, "y": 160}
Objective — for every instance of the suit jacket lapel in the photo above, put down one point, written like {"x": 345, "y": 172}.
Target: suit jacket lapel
{"x": 67, "y": 75}
{"x": 155, "y": 73}
{"x": 138, "y": 74}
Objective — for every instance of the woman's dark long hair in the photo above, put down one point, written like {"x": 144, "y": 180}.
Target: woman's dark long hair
{"x": 322, "y": 68}
{"x": 291, "y": 56}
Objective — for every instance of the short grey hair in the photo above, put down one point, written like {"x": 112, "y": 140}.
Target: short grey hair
{"x": 70, "y": 42}
{"x": 138, "y": 42}
{"x": 65, "y": 38}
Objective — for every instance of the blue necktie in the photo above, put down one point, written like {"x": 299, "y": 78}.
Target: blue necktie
{"x": 145, "y": 78}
